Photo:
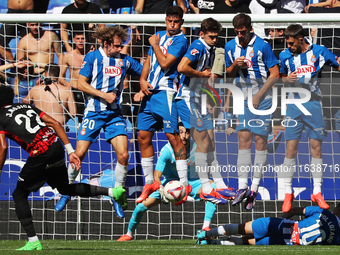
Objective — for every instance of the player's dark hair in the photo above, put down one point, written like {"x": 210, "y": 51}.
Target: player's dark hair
{"x": 210, "y": 25}
{"x": 6, "y": 95}
{"x": 180, "y": 124}
{"x": 174, "y": 11}
{"x": 242, "y": 20}
{"x": 53, "y": 70}
{"x": 295, "y": 31}
{"x": 108, "y": 33}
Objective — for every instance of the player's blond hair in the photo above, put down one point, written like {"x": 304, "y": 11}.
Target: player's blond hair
{"x": 108, "y": 33}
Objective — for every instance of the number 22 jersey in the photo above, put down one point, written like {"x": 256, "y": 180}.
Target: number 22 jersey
{"x": 22, "y": 124}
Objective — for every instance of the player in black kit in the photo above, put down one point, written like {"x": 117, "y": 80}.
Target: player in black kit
{"x": 32, "y": 129}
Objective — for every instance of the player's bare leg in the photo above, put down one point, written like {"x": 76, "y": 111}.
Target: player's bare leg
{"x": 181, "y": 162}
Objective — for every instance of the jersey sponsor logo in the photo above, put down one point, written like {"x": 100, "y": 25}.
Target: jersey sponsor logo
{"x": 83, "y": 64}
{"x": 164, "y": 50}
{"x": 194, "y": 52}
{"x": 112, "y": 71}
{"x": 305, "y": 69}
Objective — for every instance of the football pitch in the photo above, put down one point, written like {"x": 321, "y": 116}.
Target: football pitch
{"x": 167, "y": 247}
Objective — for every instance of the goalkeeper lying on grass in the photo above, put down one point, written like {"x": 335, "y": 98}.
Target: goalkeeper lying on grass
{"x": 166, "y": 166}
{"x": 320, "y": 226}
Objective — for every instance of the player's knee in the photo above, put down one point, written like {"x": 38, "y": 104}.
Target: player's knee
{"x": 143, "y": 140}
{"x": 123, "y": 158}
{"x": 291, "y": 153}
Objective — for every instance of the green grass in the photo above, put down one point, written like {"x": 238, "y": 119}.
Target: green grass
{"x": 167, "y": 247}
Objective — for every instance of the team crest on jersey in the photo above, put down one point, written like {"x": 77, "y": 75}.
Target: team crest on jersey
{"x": 313, "y": 59}
{"x": 112, "y": 71}
{"x": 164, "y": 50}
{"x": 190, "y": 163}
{"x": 305, "y": 69}
{"x": 120, "y": 62}
{"x": 83, "y": 64}
{"x": 251, "y": 53}
{"x": 83, "y": 131}
{"x": 168, "y": 43}
{"x": 194, "y": 52}
{"x": 199, "y": 122}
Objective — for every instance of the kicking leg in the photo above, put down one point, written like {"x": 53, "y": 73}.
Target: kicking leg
{"x": 23, "y": 212}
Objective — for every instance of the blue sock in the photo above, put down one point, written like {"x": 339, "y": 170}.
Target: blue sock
{"x": 210, "y": 208}
{"x": 137, "y": 216}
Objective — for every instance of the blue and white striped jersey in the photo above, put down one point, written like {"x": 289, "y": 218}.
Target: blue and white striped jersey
{"x": 107, "y": 74}
{"x": 201, "y": 56}
{"x": 319, "y": 227}
{"x": 259, "y": 57}
{"x": 166, "y": 163}
{"x": 167, "y": 79}
{"x": 308, "y": 65}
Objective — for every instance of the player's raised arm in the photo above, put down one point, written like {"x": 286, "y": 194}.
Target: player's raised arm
{"x": 164, "y": 60}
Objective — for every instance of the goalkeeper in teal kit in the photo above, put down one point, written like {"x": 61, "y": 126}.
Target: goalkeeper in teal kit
{"x": 166, "y": 166}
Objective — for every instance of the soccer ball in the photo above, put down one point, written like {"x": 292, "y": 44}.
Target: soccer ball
{"x": 174, "y": 191}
